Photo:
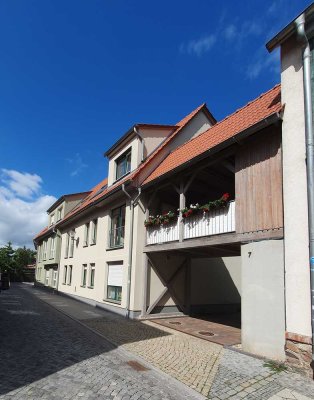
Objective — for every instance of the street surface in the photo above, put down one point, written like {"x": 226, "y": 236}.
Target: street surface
{"x": 47, "y": 355}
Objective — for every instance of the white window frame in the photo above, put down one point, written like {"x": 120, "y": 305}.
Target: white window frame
{"x": 67, "y": 245}
{"x": 59, "y": 214}
{"x": 86, "y": 234}
{"x": 72, "y": 240}
{"x": 92, "y": 270}
{"x": 69, "y": 277}
{"x": 84, "y": 275}
{"x": 45, "y": 250}
{"x": 52, "y": 247}
{"x": 52, "y": 219}
{"x": 93, "y": 238}
{"x": 65, "y": 273}
{"x": 54, "y": 278}
{"x": 47, "y": 276}
{"x": 110, "y": 284}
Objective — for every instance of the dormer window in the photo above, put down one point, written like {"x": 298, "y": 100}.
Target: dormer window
{"x": 52, "y": 219}
{"x": 123, "y": 164}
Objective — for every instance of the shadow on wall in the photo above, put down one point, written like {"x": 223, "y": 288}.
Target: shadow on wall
{"x": 38, "y": 341}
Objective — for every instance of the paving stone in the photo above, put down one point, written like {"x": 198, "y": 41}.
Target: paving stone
{"x": 49, "y": 356}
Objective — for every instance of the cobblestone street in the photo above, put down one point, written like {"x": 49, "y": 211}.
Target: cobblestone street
{"x": 46, "y": 355}
{"x": 50, "y": 356}
{"x": 210, "y": 369}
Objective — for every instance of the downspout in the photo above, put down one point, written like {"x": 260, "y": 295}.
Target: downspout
{"x": 309, "y": 138}
{"x": 142, "y": 142}
{"x": 130, "y": 255}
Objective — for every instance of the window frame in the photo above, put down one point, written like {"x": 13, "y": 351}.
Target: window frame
{"x": 122, "y": 217}
{"x": 65, "y": 274}
{"x": 84, "y": 275}
{"x": 93, "y": 238}
{"x": 92, "y": 272}
{"x": 86, "y": 234}
{"x": 123, "y": 157}
{"x": 69, "y": 275}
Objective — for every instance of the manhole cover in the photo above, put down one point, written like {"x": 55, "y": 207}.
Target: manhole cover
{"x": 207, "y": 333}
{"x": 175, "y": 323}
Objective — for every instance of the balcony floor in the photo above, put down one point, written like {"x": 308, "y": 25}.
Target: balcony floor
{"x": 222, "y": 329}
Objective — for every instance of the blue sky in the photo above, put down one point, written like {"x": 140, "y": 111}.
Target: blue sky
{"x": 75, "y": 75}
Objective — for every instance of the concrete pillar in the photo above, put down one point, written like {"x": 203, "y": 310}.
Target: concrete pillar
{"x": 263, "y": 305}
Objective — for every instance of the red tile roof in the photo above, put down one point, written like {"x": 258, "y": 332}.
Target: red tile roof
{"x": 265, "y": 105}
{"x": 92, "y": 197}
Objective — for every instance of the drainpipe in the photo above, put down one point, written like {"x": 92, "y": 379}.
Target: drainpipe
{"x": 309, "y": 138}
{"x": 142, "y": 142}
{"x": 132, "y": 204}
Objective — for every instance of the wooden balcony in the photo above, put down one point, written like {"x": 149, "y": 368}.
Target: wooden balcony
{"x": 214, "y": 222}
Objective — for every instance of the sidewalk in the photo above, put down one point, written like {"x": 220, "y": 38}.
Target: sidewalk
{"x": 208, "y": 368}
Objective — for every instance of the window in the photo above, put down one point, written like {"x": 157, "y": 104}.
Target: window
{"x": 86, "y": 235}
{"x": 70, "y": 275}
{"x": 116, "y": 237}
{"x": 92, "y": 276}
{"x": 45, "y": 250}
{"x": 52, "y": 248}
{"x": 54, "y": 278}
{"x": 84, "y": 275}
{"x": 114, "y": 285}
{"x": 94, "y": 232}
{"x": 52, "y": 219}
{"x": 123, "y": 164}
{"x": 39, "y": 253}
{"x": 67, "y": 245}
{"x": 72, "y": 240}
{"x": 65, "y": 273}
{"x": 47, "y": 277}
{"x": 59, "y": 214}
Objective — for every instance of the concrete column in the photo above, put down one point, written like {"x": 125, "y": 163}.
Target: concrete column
{"x": 263, "y": 304}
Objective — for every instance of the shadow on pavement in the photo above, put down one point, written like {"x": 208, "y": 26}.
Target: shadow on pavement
{"x": 37, "y": 341}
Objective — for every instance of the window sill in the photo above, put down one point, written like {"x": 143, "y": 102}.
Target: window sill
{"x": 69, "y": 284}
{"x": 112, "y": 301}
{"x": 63, "y": 283}
{"x": 114, "y": 248}
{"x": 85, "y": 245}
{"x": 92, "y": 244}
{"x": 84, "y": 286}
{"x": 121, "y": 177}
{"x": 90, "y": 287}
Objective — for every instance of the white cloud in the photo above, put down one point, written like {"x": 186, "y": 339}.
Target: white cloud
{"x": 22, "y": 207}
{"x": 263, "y": 62}
{"x": 77, "y": 164}
{"x": 199, "y": 46}
{"x": 21, "y": 183}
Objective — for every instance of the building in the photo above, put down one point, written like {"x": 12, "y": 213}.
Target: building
{"x": 294, "y": 50}
{"x": 48, "y": 241}
{"x": 202, "y": 217}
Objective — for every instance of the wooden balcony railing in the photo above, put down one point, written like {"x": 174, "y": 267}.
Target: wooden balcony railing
{"x": 214, "y": 222}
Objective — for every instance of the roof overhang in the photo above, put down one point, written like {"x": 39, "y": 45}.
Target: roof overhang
{"x": 289, "y": 30}
{"x": 132, "y": 132}
{"x": 236, "y": 138}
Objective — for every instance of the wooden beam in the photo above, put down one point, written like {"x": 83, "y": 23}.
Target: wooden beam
{"x": 168, "y": 285}
{"x": 215, "y": 240}
{"x": 229, "y": 166}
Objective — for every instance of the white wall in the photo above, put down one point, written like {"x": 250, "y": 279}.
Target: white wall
{"x": 263, "y": 304}
{"x": 99, "y": 254}
{"x": 298, "y": 306}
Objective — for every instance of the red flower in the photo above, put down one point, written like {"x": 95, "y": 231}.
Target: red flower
{"x": 206, "y": 209}
{"x": 225, "y": 196}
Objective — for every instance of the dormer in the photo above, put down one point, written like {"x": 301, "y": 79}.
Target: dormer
{"x": 62, "y": 206}
{"x": 133, "y": 147}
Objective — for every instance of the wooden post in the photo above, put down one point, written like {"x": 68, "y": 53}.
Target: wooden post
{"x": 145, "y": 284}
{"x": 181, "y": 206}
{"x": 188, "y": 286}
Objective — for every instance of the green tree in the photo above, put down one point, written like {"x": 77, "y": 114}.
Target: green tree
{"x": 6, "y": 258}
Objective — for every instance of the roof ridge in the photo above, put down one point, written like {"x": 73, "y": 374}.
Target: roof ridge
{"x": 228, "y": 116}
